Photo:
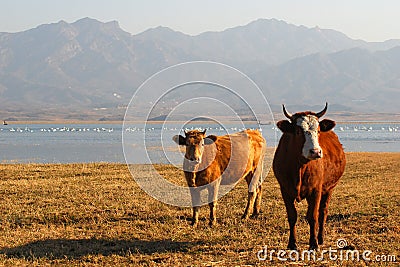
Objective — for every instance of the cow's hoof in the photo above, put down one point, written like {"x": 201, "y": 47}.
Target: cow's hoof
{"x": 292, "y": 246}
{"x": 245, "y": 217}
{"x": 254, "y": 215}
{"x": 212, "y": 223}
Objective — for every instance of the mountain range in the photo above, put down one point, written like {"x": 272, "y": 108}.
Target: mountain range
{"x": 89, "y": 69}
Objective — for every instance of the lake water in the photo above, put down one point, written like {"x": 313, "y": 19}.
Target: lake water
{"x": 66, "y": 143}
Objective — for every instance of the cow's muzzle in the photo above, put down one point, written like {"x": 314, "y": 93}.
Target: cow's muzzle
{"x": 194, "y": 160}
{"x": 315, "y": 153}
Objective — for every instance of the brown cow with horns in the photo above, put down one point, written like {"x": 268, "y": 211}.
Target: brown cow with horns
{"x": 308, "y": 163}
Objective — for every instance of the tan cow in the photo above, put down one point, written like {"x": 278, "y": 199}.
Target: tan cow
{"x": 220, "y": 160}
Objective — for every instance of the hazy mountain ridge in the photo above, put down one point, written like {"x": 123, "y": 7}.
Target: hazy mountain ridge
{"x": 357, "y": 78}
{"x": 89, "y": 64}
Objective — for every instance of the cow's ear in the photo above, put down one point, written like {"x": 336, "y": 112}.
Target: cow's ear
{"x": 285, "y": 126}
{"x": 179, "y": 139}
{"x": 210, "y": 139}
{"x": 326, "y": 125}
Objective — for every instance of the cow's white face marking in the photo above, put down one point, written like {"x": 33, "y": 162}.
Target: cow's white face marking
{"x": 309, "y": 125}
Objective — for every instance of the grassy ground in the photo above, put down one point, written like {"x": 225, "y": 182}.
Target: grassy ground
{"x": 95, "y": 214}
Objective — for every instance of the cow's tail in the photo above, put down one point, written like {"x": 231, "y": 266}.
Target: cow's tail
{"x": 258, "y": 177}
{"x": 298, "y": 187}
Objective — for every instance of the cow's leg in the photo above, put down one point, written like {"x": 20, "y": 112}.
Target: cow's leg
{"x": 257, "y": 182}
{"x": 195, "y": 218}
{"x": 292, "y": 218}
{"x": 323, "y": 213}
{"x": 312, "y": 217}
{"x": 250, "y": 204}
{"x": 251, "y": 197}
{"x": 195, "y": 195}
{"x": 212, "y": 199}
{"x": 213, "y": 213}
{"x": 257, "y": 203}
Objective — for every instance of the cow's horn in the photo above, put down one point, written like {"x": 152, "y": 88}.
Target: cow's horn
{"x": 287, "y": 114}
{"x": 322, "y": 113}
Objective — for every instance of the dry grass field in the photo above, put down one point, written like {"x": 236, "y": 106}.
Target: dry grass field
{"x": 95, "y": 214}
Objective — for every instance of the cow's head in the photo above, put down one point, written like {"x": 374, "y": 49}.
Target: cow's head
{"x": 306, "y": 129}
{"x": 194, "y": 141}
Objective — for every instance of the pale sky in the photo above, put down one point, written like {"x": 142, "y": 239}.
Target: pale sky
{"x": 370, "y": 20}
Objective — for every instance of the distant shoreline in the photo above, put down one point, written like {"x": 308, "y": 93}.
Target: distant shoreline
{"x": 27, "y": 164}
{"x": 32, "y": 164}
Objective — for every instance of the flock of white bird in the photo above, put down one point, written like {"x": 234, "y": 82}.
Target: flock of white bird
{"x": 57, "y": 129}
{"x": 217, "y": 129}
{"x": 370, "y": 128}
{"x": 149, "y": 129}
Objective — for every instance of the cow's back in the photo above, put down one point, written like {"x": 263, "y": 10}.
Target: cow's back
{"x": 233, "y": 156}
